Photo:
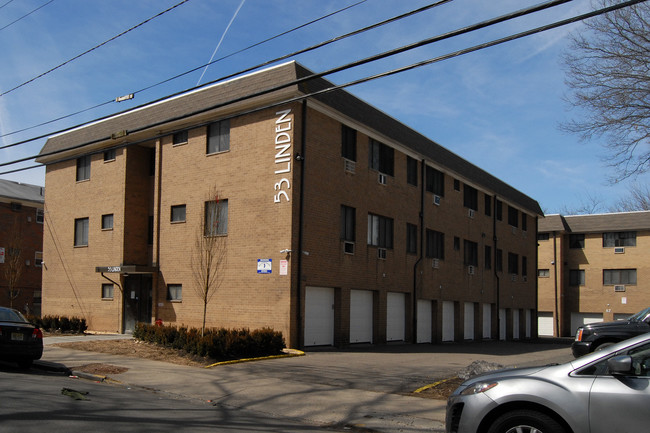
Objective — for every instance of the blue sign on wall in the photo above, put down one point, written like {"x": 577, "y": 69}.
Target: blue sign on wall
{"x": 264, "y": 266}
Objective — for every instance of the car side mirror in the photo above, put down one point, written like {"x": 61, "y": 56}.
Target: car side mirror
{"x": 620, "y": 365}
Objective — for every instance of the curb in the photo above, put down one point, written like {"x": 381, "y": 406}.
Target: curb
{"x": 289, "y": 353}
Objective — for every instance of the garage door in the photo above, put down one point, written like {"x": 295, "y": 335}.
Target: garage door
{"x": 579, "y": 319}
{"x": 447, "y": 321}
{"x": 487, "y": 321}
{"x": 424, "y": 321}
{"x": 395, "y": 316}
{"x": 502, "y": 324}
{"x": 319, "y": 316}
{"x": 468, "y": 323}
{"x": 360, "y": 316}
{"x": 545, "y": 323}
{"x": 515, "y": 323}
{"x": 529, "y": 323}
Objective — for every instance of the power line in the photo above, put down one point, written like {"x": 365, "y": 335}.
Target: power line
{"x": 175, "y": 77}
{"x": 94, "y": 48}
{"x": 24, "y": 16}
{"x": 358, "y": 81}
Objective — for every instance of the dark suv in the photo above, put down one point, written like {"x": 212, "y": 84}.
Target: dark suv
{"x": 599, "y": 335}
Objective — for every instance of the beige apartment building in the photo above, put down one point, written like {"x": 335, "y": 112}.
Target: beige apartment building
{"x": 338, "y": 224}
{"x": 592, "y": 268}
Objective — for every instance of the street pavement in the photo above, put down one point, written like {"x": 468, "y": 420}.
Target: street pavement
{"x": 369, "y": 388}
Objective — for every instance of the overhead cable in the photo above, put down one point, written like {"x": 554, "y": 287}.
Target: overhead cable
{"x": 24, "y": 16}
{"x": 342, "y": 86}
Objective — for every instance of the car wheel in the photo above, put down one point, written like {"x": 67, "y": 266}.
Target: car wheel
{"x": 525, "y": 421}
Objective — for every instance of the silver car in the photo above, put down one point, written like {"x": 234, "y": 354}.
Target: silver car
{"x": 603, "y": 392}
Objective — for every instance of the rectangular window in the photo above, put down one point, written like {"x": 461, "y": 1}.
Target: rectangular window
{"x": 524, "y": 266}
{"x": 577, "y": 240}
{"x": 411, "y": 238}
{"x": 216, "y": 217}
{"x": 543, "y": 236}
{"x": 218, "y": 137}
{"x": 380, "y": 231}
{"x": 175, "y": 292}
{"x": 488, "y": 205}
{"x": 109, "y": 155}
{"x": 524, "y": 222}
{"x": 543, "y": 273}
{"x": 435, "y": 244}
{"x": 488, "y": 257}
{"x": 619, "y": 239}
{"x": 513, "y": 216}
{"x": 81, "y": 232}
{"x": 107, "y": 222}
{"x": 381, "y": 157}
{"x": 40, "y": 216}
{"x": 456, "y": 185}
{"x": 178, "y": 213}
{"x": 470, "y": 251}
{"x": 513, "y": 263}
{"x": 619, "y": 276}
{"x": 83, "y": 168}
{"x": 456, "y": 243}
{"x": 470, "y": 197}
{"x": 348, "y": 223}
{"x": 107, "y": 291}
{"x": 179, "y": 138}
{"x": 412, "y": 171}
{"x": 499, "y": 210}
{"x": 38, "y": 259}
{"x": 348, "y": 143}
{"x": 435, "y": 181}
{"x": 499, "y": 260}
{"x": 576, "y": 277}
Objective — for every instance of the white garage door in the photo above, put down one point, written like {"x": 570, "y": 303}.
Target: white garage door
{"x": 515, "y": 323}
{"x": 468, "y": 331}
{"x": 579, "y": 319}
{"x": 360, "y": 316}
{"x": 487, "y": 321}
{"x": 545, "y": 323}
{"x": 529, "y": 323}
{"x": 319, "y": 316}
{"x": 447, "y": 321}
{"x": 502, "y": 324}
{"x": 395, "y": 316}
{"x": 424, "y": 321}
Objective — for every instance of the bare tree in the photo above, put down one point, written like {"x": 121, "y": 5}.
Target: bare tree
{"x": 14, "y": 264}
{"x": 587, "y": 205}
{"x": 608, "y": 74}
{"x": 209, "y": 256}
{"x": 638, "y": 199}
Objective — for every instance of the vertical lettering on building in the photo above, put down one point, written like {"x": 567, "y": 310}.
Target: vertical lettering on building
{"x": 282, "y": 155}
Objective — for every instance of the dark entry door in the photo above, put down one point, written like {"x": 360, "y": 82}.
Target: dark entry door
{"x": 137, "y": 301}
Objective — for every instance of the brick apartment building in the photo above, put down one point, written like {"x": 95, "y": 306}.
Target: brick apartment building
{"x": 21, "y": 246}
{"x": 592, "y": 268}
{"x": 340, "y": 224}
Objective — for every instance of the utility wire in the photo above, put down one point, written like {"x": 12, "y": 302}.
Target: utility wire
{"x": 94, "y": 48}
{"x": 349, "y": 84}
{"x": 260, "y": 65}
{"x": 24, "y": 16}
{"x": 173, "y": 78}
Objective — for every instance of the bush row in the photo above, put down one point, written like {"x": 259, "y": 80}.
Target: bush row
{"x": 219, "y": 344}
{"x": 59, "y": 323}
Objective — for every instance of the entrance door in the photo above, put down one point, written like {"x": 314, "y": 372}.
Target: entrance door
{"x": 137, "y": 301}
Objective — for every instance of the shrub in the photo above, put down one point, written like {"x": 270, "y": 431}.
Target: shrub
{"x": 64, "y": 325}
{"x": 219, "y": 344}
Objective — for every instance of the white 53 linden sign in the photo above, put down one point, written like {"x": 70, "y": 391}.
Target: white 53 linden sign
{"x": 282, "y": 155}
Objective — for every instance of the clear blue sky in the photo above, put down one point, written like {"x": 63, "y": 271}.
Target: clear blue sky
{"x": 498, "y": 108}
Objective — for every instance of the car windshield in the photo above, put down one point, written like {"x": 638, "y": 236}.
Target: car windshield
{"x": 640, "y": 315}
{"x": 7, "y": 315}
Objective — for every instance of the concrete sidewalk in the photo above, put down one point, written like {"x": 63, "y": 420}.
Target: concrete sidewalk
{"x": 315, "y": 388}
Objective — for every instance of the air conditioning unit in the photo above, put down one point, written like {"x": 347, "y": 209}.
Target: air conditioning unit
{"x": 470, "y": 270}
{"x": 470, "y": 213}
{"x": 524, "y": 279}
{"x": 513, "y": 277}
{"x": 436, "y": 200}
{"x": 349, "y": 166}
{"x": 619, "y": 288}
{"x": 348, "y": 247}
{"x": 382, "y": 179}
{"x": 381, "y": 253}
{"x": 514, "y": 230}
{"x": 435, "y": 263}
{"x": 619, "y": 250}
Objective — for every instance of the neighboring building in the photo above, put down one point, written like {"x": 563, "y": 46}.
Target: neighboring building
{"x": 342, "y": 225}
{"x": 592, "y": 268}
{"x": 21, "y": 246}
